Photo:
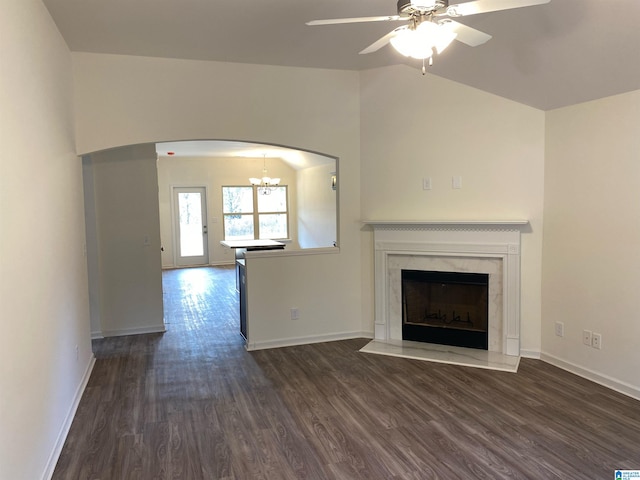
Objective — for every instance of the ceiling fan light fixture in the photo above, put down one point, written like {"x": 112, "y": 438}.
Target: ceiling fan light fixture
{"x": 425, "y": 34}
{"x": 408, "y": 42}
{"x": 420, "y": 41}
{"x": 445, "y": 36}
{"x": 427, "y": 5}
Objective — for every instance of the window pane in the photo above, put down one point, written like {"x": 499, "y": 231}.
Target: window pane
{"x": 274, "y": 202}
{"x": 273, "y": 226}
{"x": 191, "y": 236}
{"x": 237, "y": 199}
{"x": 238, "y": 227}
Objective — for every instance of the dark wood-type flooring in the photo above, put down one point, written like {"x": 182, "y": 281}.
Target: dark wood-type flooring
{"x": 193, "y": 404}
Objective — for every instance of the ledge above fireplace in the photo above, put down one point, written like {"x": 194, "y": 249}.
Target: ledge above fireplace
{"x": 450, "y": 223}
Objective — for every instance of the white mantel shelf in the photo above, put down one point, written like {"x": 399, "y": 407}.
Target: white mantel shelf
{"x": 513, "y": 223}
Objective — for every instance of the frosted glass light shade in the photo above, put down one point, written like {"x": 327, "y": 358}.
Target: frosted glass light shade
{"x": 419, "y": 42}
{"x": 407, "y": 43}
{"x": 445, "y": 36}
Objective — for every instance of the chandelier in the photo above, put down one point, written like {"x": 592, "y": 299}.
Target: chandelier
{"x": 420, "y": 38}
{"x": 265, "y": 184}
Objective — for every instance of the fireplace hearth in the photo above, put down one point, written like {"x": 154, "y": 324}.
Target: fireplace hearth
{"x": 448, "y": 308}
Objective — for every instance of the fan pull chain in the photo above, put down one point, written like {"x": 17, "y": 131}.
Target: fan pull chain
{"x": 424, "y": 68}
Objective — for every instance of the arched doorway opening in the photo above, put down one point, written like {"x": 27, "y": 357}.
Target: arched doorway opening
{"x": 130, "y": 217}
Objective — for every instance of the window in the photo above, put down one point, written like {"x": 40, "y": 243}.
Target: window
{"x": 249, "y": 215}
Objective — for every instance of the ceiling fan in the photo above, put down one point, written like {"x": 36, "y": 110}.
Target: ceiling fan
{"x": 429, "y": 25}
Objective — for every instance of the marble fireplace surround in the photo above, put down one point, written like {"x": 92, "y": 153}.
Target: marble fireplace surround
{"x": 491, "y": 247}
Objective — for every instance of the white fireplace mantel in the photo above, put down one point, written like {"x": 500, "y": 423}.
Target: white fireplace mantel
{"x": 455, "y": 245}
{"x": 453, "y": 223}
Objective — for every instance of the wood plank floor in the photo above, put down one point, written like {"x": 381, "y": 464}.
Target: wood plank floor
{"x": 193, "y": 404}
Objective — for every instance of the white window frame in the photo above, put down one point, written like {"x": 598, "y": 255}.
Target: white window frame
{"x": 256, "y": 214}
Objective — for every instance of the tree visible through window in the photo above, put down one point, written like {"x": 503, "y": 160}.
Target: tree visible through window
{"x": 249, "y": 215}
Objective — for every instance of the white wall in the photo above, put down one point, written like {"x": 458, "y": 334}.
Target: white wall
{"x": 212, "y": 173}
{"x": 124, "y": 100}
{"x": 416, "y": 126}
{"x": 128, "y": 280}
{"x": 43, "y": 293}
{"x": 317, "y": 204}
{"x": 313, "y": 284}
{"x": 591, "y": 276}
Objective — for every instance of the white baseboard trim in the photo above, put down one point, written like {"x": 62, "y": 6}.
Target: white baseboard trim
{"x": 530, "y": 354}
{"x": 290, "y": 342}
{"x": 604, "y": 380}
{"x": 66, "y": 425}
{"x": 134, "y": 331}
{"x": 96, "y": 335}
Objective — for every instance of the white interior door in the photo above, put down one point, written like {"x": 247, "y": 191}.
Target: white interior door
{"x": 190, "y": 226}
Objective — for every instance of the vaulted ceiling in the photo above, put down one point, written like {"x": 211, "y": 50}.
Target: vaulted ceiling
{"x": 546, "y": 56}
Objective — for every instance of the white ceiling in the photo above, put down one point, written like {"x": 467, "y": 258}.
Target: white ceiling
{"x": 296, "y": 159}
{"x": 545, "y": 56}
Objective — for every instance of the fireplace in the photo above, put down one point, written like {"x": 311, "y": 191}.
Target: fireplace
{"x": 449, "y": 308}
{"x": 488, "y": 248}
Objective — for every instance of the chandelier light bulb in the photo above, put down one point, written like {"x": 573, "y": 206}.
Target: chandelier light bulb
{"x": 264, "y": 184}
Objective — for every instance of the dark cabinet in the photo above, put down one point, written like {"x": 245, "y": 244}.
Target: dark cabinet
{"x": 241, "y": 271}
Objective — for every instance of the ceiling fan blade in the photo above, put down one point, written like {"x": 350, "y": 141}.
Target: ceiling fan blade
{"x": 381, "y": 42}
{"x": 484, "y": 6}
{"x": 335, "y": 21}
{"x": 467, "y": 35}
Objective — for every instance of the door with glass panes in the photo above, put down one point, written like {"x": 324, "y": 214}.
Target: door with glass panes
{"x": 190, "y": 225}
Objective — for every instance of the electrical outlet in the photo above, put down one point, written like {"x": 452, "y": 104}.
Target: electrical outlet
{"x": 456, "y": 182}
{"x": 77, "y": 353}
{"x": 560, "y": 329}
{"x": 295, "y": 313}
{"x": 596, "y": 341}
{"x": 586, "y": 337}
{"x": 426, "y": 183}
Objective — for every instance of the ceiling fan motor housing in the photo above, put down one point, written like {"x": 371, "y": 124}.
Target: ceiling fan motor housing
{"x": 407, "y": 8}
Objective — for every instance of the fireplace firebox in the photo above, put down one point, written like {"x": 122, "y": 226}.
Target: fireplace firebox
{"x": 449, "y": 308}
